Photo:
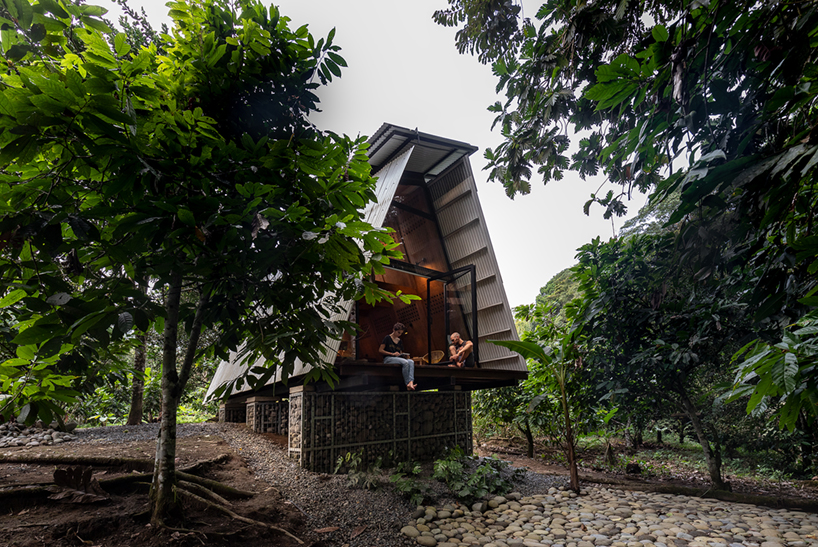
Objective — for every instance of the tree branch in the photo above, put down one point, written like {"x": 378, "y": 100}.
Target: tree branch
{"x": 193, "y": 342}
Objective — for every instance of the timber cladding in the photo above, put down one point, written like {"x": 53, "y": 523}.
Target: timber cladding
{"x": 411, "y": 426}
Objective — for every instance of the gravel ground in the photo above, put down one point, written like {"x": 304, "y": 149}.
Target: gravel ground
{"x": 326, "y": 500}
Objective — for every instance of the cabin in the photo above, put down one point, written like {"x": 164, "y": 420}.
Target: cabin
{"x": 427, "y": 194}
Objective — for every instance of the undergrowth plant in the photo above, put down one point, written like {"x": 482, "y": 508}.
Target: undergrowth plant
{"x": 405, "y": 480}
{"x": 469, "y": 480}
{"x": 357, "y": 475}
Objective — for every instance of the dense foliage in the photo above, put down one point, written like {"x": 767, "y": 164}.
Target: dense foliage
{"x": 177, "y": 188}
{"x": 709, "y": 106}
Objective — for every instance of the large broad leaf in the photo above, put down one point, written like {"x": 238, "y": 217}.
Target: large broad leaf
{"x": 529, "y": 350}
{"x": 36, "y": 335}
{"x": 12, "y": 298}
{"x": 125, "y": 322}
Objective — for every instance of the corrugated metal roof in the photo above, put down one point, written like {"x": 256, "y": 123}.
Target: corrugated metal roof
{"x": 445, "y": 166}
{"x": 467, "y": 241}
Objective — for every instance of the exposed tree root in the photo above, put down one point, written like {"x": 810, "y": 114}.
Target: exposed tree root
{"x": 778, "y": 502}
{"x": 200, "y": 466}
{"x": 215, "y": 486}
{"x": 36, "y": 492}
{"x": 28, "y": 492}
{"x": 136, "y": 464}
{"x": 204, "y": 492}
{"x": 116, "y": 483}
{"x": 196, "y": 533}
{"x": 233, "y": 515}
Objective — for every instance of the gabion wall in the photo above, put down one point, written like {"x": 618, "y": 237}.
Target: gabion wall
{"x": 233, "y": 413}
{"x": 412, "y": 426}
{"x": 268, "y": 416}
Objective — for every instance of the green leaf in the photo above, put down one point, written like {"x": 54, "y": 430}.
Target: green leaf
{"x": 186, "y": 216}
{"x": 659, "y": 33}
{"x": 333, "y": 67}
{"x": 125, "y": 322}
{"x": 529, "y": 350}
{"x": 53, "y": 7}
{"x": 96, "y": 24}
{"x": 37, "y": 335}
{"x": 21, "y": 149}
{"x": 26, "y": 352}
{"x": 18, "y": 51}
{"x": 59, "y": 299}
{"x": 12, "y": 298}
{"x": 337, "y": 59}
{"x": 121, "y": 46}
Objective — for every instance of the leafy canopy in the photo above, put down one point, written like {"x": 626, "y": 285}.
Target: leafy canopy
{"x": 710, "y": 102}
{"x": 187, "y": 167}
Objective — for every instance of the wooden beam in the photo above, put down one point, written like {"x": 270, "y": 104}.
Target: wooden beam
{"x": 464, "y": 375}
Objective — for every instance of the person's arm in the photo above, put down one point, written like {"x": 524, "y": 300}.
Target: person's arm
{"x": 383, "y": 351}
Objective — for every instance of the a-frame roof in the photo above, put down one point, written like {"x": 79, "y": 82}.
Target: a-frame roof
{"x": 445, "y": 168}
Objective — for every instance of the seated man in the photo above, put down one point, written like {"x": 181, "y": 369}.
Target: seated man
{"x": 460, "y": 352}
{"x": 392, "y": 350}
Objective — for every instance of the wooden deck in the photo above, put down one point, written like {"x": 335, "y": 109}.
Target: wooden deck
{"x": 366, "y": 376}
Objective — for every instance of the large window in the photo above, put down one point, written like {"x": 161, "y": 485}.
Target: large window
{"x": 447, "y": 298}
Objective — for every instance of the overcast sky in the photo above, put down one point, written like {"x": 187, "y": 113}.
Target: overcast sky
{"x": 405, "y": 70}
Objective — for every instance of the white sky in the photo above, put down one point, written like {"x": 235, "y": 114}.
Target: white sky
{"x": 404, "y": 69}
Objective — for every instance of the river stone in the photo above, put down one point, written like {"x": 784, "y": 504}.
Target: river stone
{"x": 410, "y": 531}
{"x": 426, "y": 541}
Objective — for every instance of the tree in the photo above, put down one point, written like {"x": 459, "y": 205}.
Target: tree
{"x": 559, "y": 291}
{"x": 554, "y": 355}
{"x": 711, "y": 100}
{"x": 659, "y": 337}
{"x": 195, "y": 169}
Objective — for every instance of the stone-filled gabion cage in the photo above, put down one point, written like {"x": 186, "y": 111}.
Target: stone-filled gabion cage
{"x": 418, "y": 426}
{"x": 233, "y": 412}
{"x": 267, "y": 415}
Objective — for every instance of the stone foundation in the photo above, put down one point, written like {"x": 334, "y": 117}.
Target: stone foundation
{"x": 233, "y": 412}
{"x": 267, "y": 415}
{"x": 419, "y": 426}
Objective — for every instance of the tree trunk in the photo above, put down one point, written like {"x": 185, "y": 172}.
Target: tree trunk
{"x": 529, "y": 437}
{"x": 164, "y": 470}
{"x": 627, "y": 434}
{"x": 138, "y": 385}
{"x": 165, "y": 502}
{"x": 573, "y": 472}
{"x": 711, "y": 457}
{"x": 610, "y": 455}
{"x": 808, "y": 444}
{"x": 637, "y": 438}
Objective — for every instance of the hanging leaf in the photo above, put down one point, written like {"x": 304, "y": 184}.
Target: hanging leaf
{"x": 124, "y": 322}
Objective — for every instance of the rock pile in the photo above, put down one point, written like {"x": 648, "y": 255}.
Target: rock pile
{"x": 602, "y": 517}
{"x": 13, "y": 434}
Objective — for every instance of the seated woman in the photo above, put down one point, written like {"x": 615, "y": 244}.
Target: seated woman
{"x": 392, "y": 349}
